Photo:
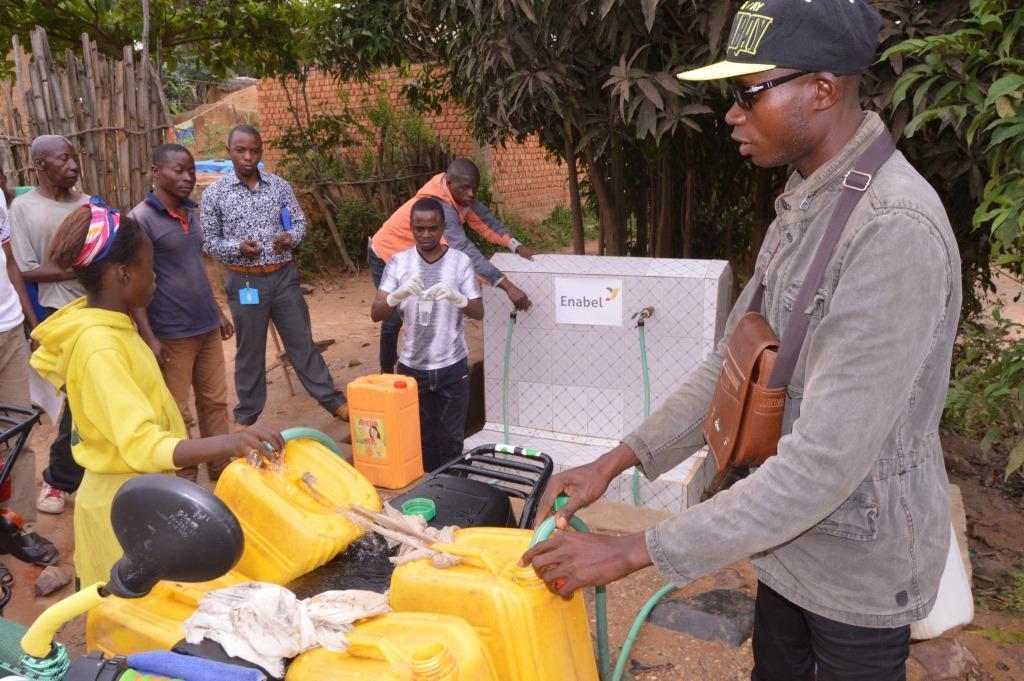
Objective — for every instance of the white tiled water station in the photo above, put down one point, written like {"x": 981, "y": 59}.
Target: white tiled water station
{"x": 576, "y": 384}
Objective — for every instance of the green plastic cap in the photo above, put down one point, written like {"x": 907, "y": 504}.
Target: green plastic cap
{"x": 420, "y": 506}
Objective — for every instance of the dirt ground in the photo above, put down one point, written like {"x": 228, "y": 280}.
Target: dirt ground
{"x": 339, "y": 310}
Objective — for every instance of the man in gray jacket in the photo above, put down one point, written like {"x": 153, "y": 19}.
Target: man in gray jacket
{"x": 848, "y": 525}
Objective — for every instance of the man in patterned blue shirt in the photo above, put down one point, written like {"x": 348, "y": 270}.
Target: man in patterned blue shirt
{"x": 251, "y": 222}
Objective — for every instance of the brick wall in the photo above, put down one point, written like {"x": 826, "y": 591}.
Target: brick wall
{"x": 527, "y": 185}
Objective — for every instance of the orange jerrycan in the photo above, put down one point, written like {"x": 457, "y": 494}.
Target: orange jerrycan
{"x": 384, "y": 417}
{"x": 531, "y": 634}
{"x": 401, "y": 646}
{"x": 291, "y": 528}
{"x": 123, "y": 626}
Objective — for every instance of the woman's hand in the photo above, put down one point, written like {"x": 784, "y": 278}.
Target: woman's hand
{"x": 258, "y": 438}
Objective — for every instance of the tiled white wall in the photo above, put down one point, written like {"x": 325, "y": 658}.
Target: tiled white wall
{"x": 586, "y": 380}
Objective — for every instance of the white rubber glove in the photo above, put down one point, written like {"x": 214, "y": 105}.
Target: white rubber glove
{"x": 412, "y": 287}
{"x": 442, "y": 291}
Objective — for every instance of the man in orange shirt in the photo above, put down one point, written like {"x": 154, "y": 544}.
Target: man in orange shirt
{"x": 456, "y": 191}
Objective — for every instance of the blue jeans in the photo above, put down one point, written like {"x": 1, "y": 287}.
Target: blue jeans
{"x": 391, "y": 327}
{"x": 444, "y": 402}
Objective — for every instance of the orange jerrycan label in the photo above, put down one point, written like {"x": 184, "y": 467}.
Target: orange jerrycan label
{"x": 123, "y": 626}
{"x": 384, "y": 417}
{"x": 291, "y": 528}
{"x": 401, "y": 646}
{"x": 531, "y": 634}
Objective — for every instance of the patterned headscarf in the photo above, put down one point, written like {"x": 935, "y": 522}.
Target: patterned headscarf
{"x": 102, "y": 230}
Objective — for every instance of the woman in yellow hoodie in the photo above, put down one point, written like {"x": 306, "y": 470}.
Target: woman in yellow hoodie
{"x": 126, "y": 421}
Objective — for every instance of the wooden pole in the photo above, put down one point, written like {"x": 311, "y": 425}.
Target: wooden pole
{"x": 113, "y": 111}
{"x": 280, "y": 357}
{"x": 333, "y": 227}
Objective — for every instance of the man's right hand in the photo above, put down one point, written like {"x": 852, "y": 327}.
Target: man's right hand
{"x": 157, "y": 347}
{"x": 250, "y": 249}
{"x": 518, "y": 297}
{"x": 412, "y": 287}
{"x": 583, "y": 485}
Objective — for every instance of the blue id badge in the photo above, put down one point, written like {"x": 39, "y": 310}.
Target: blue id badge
{"x": 249, "y": 296}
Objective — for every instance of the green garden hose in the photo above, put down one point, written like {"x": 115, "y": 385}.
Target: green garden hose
{"x": 641, "y": 617}
{"x": 505, "y": 376}
{"x": 643, "y": 316}
{"x": 313, "y": 434}
{"x": 543, "y": 532}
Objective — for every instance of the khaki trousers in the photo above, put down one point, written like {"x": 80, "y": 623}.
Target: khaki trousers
{"x": 14, "y": 390}
{"x": 197, "y": 363}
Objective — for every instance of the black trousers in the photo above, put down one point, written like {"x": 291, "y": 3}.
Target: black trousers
{"x": 444, "y": 403}
{"x": 793, "y": 644}
{"x": 391, "y": 327}
{"x": 63, "y": 472}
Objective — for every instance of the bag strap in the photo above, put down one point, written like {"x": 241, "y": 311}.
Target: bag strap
{"x": 855, "y": 184}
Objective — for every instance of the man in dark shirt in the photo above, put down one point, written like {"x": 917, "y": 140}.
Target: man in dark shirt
{"x": 183, "y": 323}
{"x": 251, "y": 222}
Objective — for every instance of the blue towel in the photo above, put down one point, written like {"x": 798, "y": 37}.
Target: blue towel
{"x": 217, "y": 166}
{"x": 166, "y": 663}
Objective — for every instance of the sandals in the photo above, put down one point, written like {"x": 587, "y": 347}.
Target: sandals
{"x": 6, "y": 581}
{"x": 27, "y": 547}
{"x": 30, "y": 547}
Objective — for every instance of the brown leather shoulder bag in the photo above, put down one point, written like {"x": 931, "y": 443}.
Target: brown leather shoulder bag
{"x": 744, "y": 423}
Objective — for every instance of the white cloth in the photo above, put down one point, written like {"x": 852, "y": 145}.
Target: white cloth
{"x": 10, "y": 305}
{"x": 42, "y": 393}
{"x": 265, "y": 623}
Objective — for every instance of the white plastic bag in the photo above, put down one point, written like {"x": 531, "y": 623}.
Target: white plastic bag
{"x": 954, "y": 604}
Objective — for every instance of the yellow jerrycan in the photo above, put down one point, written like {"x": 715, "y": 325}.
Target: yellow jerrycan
{"x": 384, "y": 417}
{"x": 123, "y": 626}
{"x": 531, "y": 634}
{"x": 401, "y": 646}
{"x": 290, "y": 528}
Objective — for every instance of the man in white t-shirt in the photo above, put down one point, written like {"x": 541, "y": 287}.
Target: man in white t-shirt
{"x": 15, "y": 310}
{"x": 433, "y": 287}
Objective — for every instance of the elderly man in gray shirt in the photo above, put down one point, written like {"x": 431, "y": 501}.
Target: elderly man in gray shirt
{"x": 35, "y": 219}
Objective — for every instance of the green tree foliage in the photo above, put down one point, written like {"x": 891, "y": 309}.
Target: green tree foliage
{"x": 596, "y": 81}
{"x": 965, "y": 100}
{"x": 961, "y": 98}
{"x": 359, "y": 167}
{"x": 225, "y": 35}
{"x": 986, "y": 397}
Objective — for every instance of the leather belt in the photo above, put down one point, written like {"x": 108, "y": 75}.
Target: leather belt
{"x": 258, "y": 269}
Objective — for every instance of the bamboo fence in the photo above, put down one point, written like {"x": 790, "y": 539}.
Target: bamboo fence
{"x": 114, "y": 113}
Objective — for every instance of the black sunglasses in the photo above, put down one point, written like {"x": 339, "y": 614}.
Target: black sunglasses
{"x": 746, "y": 96}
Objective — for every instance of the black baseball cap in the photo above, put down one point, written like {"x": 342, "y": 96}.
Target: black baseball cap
{"x": 838, "y": 36}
